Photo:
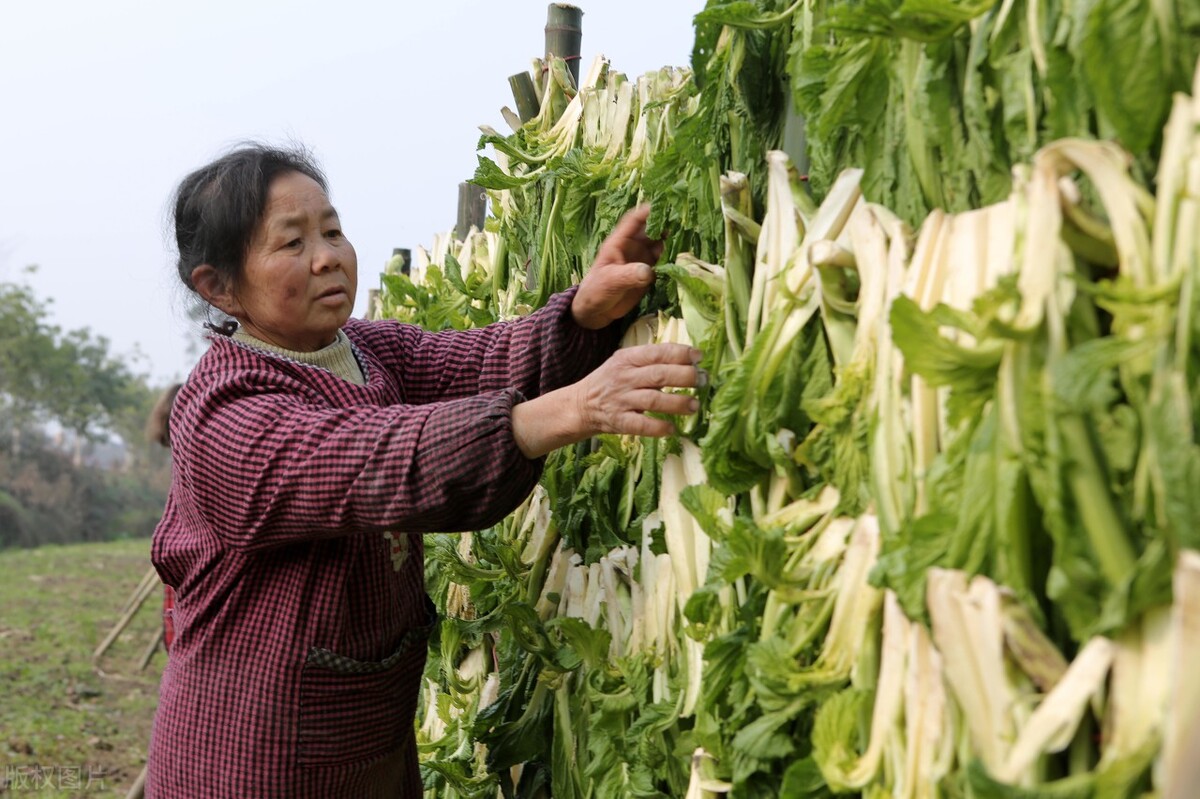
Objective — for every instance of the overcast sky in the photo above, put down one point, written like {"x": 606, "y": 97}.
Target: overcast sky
{"x": 106, "y": 106}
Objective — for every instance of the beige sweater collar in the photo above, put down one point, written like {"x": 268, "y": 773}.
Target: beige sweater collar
{"x": 338, "y": 357}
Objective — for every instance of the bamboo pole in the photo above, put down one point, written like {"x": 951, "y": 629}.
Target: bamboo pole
{"x": 472, "y": 209}
{"x": 405, "y": 256}
{"x": 151, "y": 649}
{"x": 525, "y": 96}
{"x": 564, "y": 33}
{"x": 150, "y": 576}
{"x": 123, "y": 622}
{"x": 138, "y": 789}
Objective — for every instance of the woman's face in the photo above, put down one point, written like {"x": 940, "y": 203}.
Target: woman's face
{"x": 297, "y": 287}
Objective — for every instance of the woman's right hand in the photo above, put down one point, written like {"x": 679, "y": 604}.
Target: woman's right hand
{"x": 614, "y": 398}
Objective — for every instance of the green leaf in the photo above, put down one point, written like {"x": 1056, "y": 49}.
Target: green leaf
{"x": 969, "y": 371}
{"x": 1126, "y": 55}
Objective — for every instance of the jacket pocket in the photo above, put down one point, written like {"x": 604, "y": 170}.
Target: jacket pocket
{"x": 353, "y": 711}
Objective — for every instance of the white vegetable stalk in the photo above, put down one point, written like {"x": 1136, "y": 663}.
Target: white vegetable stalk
{"x": 697, "y": 325}
{"x": 800, "y": 514}
{"x": 1056, "y": 720}
{"x": 886, "y": 712}
{"x": 701, "y": 785}
{"x": 616, "y": 576}
{"x": 689, "y": 548}
{"x": 580, "y": 599}
{"x": 968, "y": 630}
{"x": 639, "y": 144}
{"x": 537, "y": 529}
{"x": 1177, "y": 771}
{"x": 857, "y": 601}
{"x": 778, "y": 240}
{"x": 1179, "y": 146}
{"x": 641, "y": 332}
{"x": 890, "y": 455}
{"x": 924, "y": 283}
{"x": 648, "y": 582}
{"x": 658, "y": 632}
{"x": 687, "y": 543}
{"x": 433, "y": 727}
{"x": 1038, "y": 274}
{"x": 1107, "y": 166}
{"x": 816, "y": 554}
{"x": 458, "y": 597}
{"x": 929, "y": 726}
{"x": 618, "y": 121}
{"x": 1140, "y": 687}
{"x": 741, "y": 239}
{"x": 665, "y": 640}
{"x": 556, "y": 580}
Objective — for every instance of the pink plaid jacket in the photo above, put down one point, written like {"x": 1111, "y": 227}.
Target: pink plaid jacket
{"x": 291, "y": 537}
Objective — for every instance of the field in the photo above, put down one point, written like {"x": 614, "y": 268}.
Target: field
{"x": 69, "y": 728}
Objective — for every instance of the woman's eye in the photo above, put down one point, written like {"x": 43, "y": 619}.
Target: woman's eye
{"x": 294, "y": 243}
{"x": 334, "y": 233}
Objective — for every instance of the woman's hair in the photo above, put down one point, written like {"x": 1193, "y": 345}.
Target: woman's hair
{"x": 219, "y": 206}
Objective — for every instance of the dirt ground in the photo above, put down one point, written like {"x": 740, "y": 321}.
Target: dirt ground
{"x": 70, "y": 727}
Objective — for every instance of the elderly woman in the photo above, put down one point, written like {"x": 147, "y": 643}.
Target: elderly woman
{"x": 312, "y": 450}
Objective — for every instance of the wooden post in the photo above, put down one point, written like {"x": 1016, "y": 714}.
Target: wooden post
{"x": 472, "y": 209}
{"x": 526, "y": 96}
{"x": 564, "y": 32}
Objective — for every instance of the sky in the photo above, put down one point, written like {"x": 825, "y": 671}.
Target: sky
{"x": 107, "y": 106}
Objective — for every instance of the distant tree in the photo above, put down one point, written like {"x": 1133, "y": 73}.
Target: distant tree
{"x": 45, "y": 374}
{"x": 25, "y": 346}
{"x": 72, "y": 379}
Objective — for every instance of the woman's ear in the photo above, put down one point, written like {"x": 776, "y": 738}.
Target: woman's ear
{"x": 215, "y": 290}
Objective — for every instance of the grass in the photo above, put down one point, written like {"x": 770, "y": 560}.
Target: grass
{"x": 68, "y": 727}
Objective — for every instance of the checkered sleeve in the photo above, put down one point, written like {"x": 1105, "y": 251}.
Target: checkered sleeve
{"x": 266, "y": 466}
{"x": 535, "y": 354}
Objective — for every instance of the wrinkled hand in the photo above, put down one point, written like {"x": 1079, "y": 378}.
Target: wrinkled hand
{"x": 616, "y": 396}
{"x": 621, "y": 274}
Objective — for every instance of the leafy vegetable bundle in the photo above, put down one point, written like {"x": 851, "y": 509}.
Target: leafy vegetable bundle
{"x": 934, "y": 531}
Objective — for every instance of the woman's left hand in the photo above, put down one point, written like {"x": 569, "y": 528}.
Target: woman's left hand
{"x": 621, "y": 274}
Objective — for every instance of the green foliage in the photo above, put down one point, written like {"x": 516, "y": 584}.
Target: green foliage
{"x": 1000, "y": 396}
{"x": 68, "y": 377}
{"x": 938, "y": 100}
{"x": 73, "y": 381}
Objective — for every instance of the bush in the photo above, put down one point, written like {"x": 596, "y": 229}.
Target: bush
{"x": 49, "y": 500}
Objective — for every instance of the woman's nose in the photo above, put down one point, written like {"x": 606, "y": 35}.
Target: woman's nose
{"x": 326, "y": 256}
